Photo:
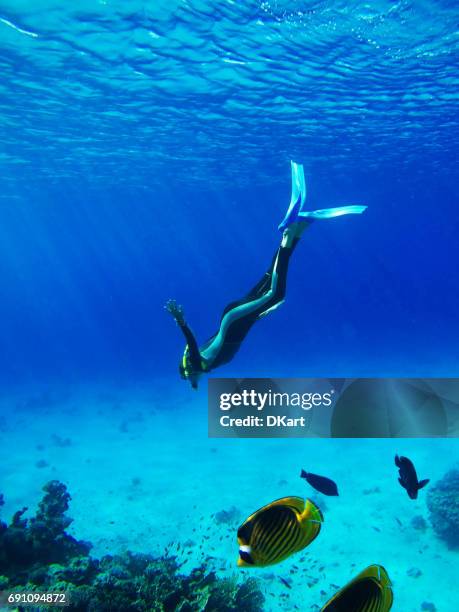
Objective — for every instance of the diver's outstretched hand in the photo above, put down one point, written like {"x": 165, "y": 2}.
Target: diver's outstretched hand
{"x": 176, "y": 311}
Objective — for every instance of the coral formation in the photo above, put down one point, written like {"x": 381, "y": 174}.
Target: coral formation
{"x": 37, "y": 554}
{"x": 443, "y": 504}
{"x": 28, "y": 544}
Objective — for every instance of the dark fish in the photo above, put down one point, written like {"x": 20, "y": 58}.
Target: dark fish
{"x": 408, "y": 477}
{"x": 370, "y": 591}
{"x": 287, "y": 584}
{"x": 320, "y": 483}
{"x": 278, "y": 530}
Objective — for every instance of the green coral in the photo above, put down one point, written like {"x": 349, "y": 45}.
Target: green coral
{"x": 443, "y": 504}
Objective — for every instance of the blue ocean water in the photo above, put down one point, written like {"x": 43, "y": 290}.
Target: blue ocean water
{"x": 145, "y": 152}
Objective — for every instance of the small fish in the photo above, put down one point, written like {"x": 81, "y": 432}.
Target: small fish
{"x": 277, "y": 531}
{"x": 320, "y": 483}
{"x": 287, "y": 584}
{"x": 370, "y": 591}
{"x": 408, "y": 477}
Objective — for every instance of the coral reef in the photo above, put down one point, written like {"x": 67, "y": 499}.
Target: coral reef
{"x": 27, "y": 544}
{"x": 443, "y": 504}
{"x": 37, "y": 554}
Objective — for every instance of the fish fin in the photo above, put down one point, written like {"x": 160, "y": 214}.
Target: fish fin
{"x": 311, "y": 513}
{"x": 375, "y": 573}
{"x": 423, "y": 483}
{"x": 380, "y": 575}
{"x": 303, "y": 474}
{"x": 297, "y": 503}
{"x": 310, "y": 520}
{"x": 397, "y": 461}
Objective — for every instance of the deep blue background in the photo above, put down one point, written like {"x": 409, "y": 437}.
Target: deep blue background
{"x": 85, "y": 273}
{"x": 144, "y": 152}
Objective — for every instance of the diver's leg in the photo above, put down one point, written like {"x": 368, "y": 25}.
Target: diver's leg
{"x": 238, "y": 317}
{"x": 279, "y": 266}
{"x": 293, "y": 233}
{"x": 289, "y": 241}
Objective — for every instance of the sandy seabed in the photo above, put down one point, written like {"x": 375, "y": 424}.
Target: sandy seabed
{"x": 144, "y": 476}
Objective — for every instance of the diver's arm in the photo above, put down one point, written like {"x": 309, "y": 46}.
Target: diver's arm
{"x": 195, "y": 355}
{"x": 177, "y": 312}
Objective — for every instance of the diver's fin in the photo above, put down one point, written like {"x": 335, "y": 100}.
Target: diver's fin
{"x": 423, "y": 483}
{"x": 297, "y": 198}
{"x": 330, "y": 213}
{"x": 295, "y": 210}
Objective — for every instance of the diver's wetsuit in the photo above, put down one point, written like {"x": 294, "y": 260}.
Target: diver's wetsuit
{"x": 238, "y": 317}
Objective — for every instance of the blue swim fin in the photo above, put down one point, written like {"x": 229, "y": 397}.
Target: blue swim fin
{"x": 329, "y": 213}
{"x": 298, "y": 197}
{"x": 295, "y": 210}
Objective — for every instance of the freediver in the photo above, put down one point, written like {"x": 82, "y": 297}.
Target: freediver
{"x": 269, "y": 293}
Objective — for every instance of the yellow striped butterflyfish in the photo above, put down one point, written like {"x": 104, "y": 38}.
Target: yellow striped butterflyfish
{"x": 370, "y": 591}
{"x": 277, "y": 531}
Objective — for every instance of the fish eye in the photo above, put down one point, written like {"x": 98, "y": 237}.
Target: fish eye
{"x": 245, "y": 556}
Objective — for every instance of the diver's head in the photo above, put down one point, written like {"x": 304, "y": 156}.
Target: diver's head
{"x": 187, "y": 373}
{"x": 194, "y": 379}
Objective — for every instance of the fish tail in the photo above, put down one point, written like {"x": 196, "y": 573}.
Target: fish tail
{"x": 311, "y": 513}
{"x": 375, "y": 574}
{"x": 379, "y": 574}
{"x": 310, "y": 520}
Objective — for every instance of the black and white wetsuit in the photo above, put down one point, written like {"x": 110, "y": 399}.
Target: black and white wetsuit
{"x": 238, "y": 317}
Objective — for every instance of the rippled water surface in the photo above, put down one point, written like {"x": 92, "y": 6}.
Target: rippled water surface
{"x": 136, "y": 91}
